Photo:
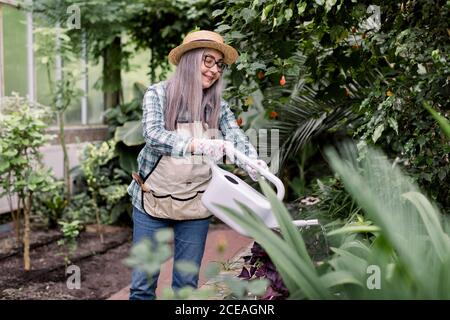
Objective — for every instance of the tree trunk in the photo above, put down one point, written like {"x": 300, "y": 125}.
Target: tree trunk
{"x": 26, "y": 233}
{"x": 112, "y": 82}
{"x": 16, "y": 222}
{"x": 152, "y": 68}
{"x": 15, "y": 214}
{"x": 62, "y": 141}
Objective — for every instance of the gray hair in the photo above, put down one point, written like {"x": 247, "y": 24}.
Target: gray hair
{"x": 184, "y": 89}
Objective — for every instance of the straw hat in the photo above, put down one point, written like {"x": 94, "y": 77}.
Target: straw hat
{"x": 203, "y": 39}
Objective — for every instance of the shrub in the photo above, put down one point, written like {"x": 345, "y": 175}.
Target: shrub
{"x": 404, "y": 219}
{"x": 22, "y": 133}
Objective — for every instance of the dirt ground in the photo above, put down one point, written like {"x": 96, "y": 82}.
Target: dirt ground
{"x": 101, "y": 266}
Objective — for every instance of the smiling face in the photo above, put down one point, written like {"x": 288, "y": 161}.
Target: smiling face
{"x": 210, "y": 75}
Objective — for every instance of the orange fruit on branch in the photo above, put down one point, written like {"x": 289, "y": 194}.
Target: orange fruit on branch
{"x": 282, "y": 80}
{"x": 260, "y": 75}
{"x": 273, "y": 115}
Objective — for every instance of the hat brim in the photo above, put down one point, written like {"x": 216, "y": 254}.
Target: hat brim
{"x": 230, "y": 54}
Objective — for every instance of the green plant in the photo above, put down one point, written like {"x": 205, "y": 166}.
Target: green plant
{"x": 70, "y": 231}
{"x": 112, "y": 30}
{"x": 260, "y": 266}
{"x": 333, "y": 201}
{"x": 305, "y": 113}
{"x": 370, "y": 68}
{"x": 51, "y": 205}
{"x": 105, "y": 182}
{"x": 149, "y": 255}
{"x": 124, "y": 123}
{"x": 81, "y": 208}
{"x": 22, "y": 133}
{"x": 413, "y": 47}
{"x": 443, "y": 122}
{"x": 94, "y": 159}
{"x": 116, "y": 198}
{"x": 304, "y": 163}
{"x": 288, "y": 253}
{"x": 63, "y": 88}
{"x": 123, "y": 113}
{"x": 404, "y": 218}
{"x": 101, "y": 27}
{"x": 160, "y": 26}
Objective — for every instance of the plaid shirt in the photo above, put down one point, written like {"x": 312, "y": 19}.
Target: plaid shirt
{"x": 159, "y": 141}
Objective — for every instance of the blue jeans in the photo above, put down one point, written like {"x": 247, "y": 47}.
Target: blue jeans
{"x": 190, "y": 238}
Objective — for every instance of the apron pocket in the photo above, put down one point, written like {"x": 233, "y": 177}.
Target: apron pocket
{"x": 156, "y": 206}
{"x": 189, "y": 209}
{"x": 166, "y": 207}
{"x": 148, "y": 201}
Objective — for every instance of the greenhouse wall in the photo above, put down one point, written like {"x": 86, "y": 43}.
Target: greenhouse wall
{"x": 15, "y": 76}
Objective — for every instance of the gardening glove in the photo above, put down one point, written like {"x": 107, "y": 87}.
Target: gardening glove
{"x": 213, "y": 148}
{"x": 252, "y": 172}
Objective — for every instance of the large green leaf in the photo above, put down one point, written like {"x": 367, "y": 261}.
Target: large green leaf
{"x": 354, "y": 229}
{"x": 139, "y": 90}
{"x": 288, "y": 230}
{"x": 130, "y": 133}
{"x": 337, "y": 278}
{"x": 128, "y": 157}
{"x": 438, "y": 238}
{"x": 443, "y": 122}
{"x": 407, "y": 221}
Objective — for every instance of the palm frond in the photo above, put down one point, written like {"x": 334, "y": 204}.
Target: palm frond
{"x": 408, "y": 222}
{"x": 307, "y": 113}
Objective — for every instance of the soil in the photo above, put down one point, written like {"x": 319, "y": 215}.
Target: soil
{"x": 102, "y": 270}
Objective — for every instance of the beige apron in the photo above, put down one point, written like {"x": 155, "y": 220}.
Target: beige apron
{"x": 176, "y": 185}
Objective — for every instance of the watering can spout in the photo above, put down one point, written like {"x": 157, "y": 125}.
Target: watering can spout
{"x": 305, "y": 223}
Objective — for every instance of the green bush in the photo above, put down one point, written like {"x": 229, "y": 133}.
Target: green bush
{"x": 381, "y": 267}
{"x": 22, "y": 134}
{"x": 82, "y": 208}
{"x": 70, "y": 231}
{"x": 107, "y": 184}
{"x": 342, "y": 74}
{"x": 124, "y": 125}
{"x": 50, "y": 206}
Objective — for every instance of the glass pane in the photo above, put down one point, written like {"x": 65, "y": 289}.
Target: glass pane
{"x": 42, "y": 81}
{"x": 15, "y": 51}
{"x": 95, "y": 97}
{"x": 42, "y": 84}
{"x": 73, "y": 112}
{"x": 138, "y": 73}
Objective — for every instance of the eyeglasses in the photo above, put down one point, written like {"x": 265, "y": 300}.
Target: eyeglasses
{"x": 210, "y": 61}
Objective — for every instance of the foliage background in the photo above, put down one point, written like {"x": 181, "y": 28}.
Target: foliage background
{"x": 340, "y": 67}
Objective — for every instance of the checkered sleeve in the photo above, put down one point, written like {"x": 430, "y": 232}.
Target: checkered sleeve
{"x": 231, "y": 132}
{"x": 159, "y": 139}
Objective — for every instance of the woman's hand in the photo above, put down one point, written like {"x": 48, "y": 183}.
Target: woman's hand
{"x": 253, "y": 173}
{"x": 213, "y": 148}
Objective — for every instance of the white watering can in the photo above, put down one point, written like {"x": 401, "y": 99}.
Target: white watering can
{"x": 226, "y": 188}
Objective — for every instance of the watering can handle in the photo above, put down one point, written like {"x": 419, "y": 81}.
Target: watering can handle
{"x": 264, "y": 172}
